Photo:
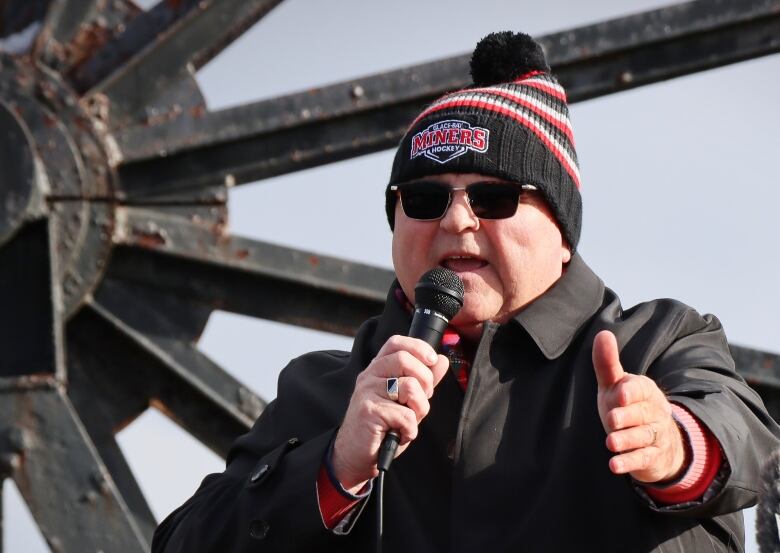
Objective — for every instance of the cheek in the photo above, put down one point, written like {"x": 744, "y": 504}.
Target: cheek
{"x": 409, "y": 249}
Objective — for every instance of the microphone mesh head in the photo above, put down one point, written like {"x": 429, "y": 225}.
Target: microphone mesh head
{"x": 440, "y": 290}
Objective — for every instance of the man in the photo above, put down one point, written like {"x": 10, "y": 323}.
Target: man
{"x": 556, "y": 421}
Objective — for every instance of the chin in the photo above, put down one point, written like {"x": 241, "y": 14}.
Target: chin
{"x": 471, "y": 315}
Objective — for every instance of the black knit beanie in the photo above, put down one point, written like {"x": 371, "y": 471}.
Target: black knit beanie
{"x": 512, "y": 123}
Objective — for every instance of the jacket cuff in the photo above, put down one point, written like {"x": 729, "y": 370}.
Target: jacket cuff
{"x": 704, "y": 463}
{"x": 338, "y": 507}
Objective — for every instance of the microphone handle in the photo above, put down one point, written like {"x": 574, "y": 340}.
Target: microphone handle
{"x": 427, "y": 325}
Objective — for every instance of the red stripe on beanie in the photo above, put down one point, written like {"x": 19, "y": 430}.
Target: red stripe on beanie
{"x": 520, "y": 119}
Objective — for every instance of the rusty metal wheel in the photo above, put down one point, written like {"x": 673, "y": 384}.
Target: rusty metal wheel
{"x": 106, "y": 278}
{"x": 113, "y": 243}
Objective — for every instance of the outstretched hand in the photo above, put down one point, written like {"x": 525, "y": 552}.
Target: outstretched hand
{"x": 637, "y": 418}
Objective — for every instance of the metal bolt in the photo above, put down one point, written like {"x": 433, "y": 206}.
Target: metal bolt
{"x": 90, "y": 497}
{"x": 358, "y": 91}
{"x": 54, "y": 543}
{"x": 626, "y": 77}
{"x": 98, "y": 480}
{"x": 9, "y": 463}
{"x": 18, "y": 439}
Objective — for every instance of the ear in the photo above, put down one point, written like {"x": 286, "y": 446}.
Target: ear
{"x": 565, "y": 253}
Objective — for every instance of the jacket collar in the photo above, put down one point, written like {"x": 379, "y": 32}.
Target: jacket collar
{"x": 395, "y": 319}
{"x": 553, "y": 319}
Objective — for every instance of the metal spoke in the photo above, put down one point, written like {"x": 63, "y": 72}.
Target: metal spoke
{"x": 762, "y": 371}
{"x": 164, "y": 44}
{"x": 63, "y": 22}
{"x": 758, "y": 367}
{"x": 30, "y": 316}
{"x": 140, "y": 32}
{"x": 106, "y": 403}
{"x": 116, "y": 464}
{"x": 159, "y": 366}
{"x": 56, "y": 467}
{"x": 18, "y": 15}
{"x": 662, "y": 44}
{"x": 246, "y": 276}
{"x": 251, "y": 156}
{"x": 365, "y": 115}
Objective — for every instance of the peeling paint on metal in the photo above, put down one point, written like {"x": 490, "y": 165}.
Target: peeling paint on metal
{"x": 149, "y": 238}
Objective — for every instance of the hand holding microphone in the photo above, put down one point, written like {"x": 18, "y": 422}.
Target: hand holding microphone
{"x": 413, "y": 361}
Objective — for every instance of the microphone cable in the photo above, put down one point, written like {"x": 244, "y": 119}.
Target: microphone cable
{"x": 380, "y": 491}
{"x": 385, "y": 457}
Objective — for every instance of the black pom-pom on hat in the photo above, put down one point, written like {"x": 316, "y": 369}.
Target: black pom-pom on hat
{"x": 503, "y": 57}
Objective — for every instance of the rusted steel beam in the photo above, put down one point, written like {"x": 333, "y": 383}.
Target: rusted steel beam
{"x": 140, "y": 32}
{"x": 246, "y": 276}
{"x": 126, "y": 484}
{"x": 163, "y": 44}
{"x": 106, "y": 402}
{"x": 61, "y": 476}
{"x": 360, "y": 116}
{"x": 261, "y": 155}
{"x": 662, "y": 44}
{"x": 151, "y": 360}
{"x": 757, "y": 367}
{"x": 62, "y": 24}
{"x": 762, "y": 371}
{"x": 95, "y": 412}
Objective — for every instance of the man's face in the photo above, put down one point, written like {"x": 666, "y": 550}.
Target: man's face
{"x": 504, "y": 263}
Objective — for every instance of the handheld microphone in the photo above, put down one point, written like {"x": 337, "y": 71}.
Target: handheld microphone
{"x": 438, "y": 298}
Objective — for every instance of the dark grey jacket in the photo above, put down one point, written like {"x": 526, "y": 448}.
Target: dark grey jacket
{"x": 517, "y": 464}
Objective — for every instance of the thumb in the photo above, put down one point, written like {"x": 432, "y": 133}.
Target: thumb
{"x": 606, "y": 361}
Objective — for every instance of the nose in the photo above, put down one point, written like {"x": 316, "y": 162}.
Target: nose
{"x": 459, "y": 216}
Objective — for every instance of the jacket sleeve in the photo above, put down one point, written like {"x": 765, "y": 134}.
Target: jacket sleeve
{"x": 266, "y": 498}
{"x": 697, "y": 371}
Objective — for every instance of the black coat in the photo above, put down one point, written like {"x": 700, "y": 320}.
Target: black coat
{"x": 518, "y": 463}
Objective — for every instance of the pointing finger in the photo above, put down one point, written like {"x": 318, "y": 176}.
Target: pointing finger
{"x": 606, "y": 360}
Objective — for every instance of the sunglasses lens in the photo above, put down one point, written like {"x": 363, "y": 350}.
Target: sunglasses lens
{"x": 493, "y": 200}
{"x": 425, "y": 200}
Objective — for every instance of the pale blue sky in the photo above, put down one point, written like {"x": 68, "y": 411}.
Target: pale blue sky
{"x": 680, "y": 191}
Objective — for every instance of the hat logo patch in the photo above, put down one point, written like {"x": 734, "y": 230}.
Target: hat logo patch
{"x": 446, "y": 140}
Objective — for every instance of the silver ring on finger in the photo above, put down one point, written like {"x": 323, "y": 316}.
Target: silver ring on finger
{"x": 655, "y": 434}
{"x": 391, "y": 386}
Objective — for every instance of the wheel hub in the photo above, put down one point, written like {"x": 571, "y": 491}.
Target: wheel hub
{"x": 53, "y": 152}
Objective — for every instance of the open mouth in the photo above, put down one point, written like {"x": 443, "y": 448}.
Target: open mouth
{"x": 462, "y": 263}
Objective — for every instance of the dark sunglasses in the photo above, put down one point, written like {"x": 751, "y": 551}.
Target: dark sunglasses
{"x": 429, "y": 200}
